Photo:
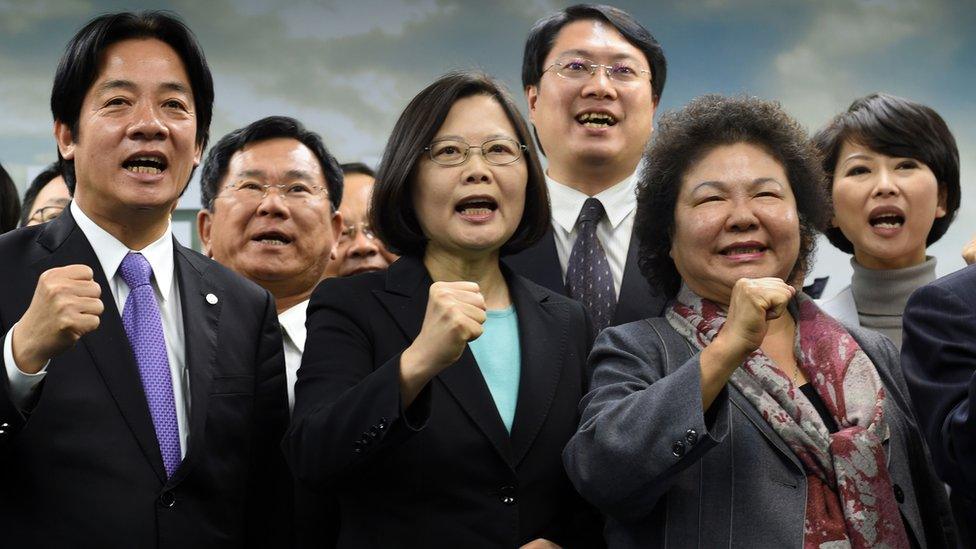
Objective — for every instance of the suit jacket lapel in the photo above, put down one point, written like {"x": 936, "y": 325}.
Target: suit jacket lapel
{"x": 540, "y": 264}
{"x": 108, "y": 345}
{"x": 543, "y": 329}
{"x": 200, "y": 323}
{"x": 637, "y": 299}
{"x": 405, "y": 298}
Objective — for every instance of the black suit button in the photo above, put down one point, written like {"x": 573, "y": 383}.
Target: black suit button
{"x": 383, "y": 422}
{"x": 678, "y": 448}
{"x": 374, "y": 431}
{"x": 691, "y": 436}
{"x": 508, "y": 495}
{"x": 167, "y": 499}
{"x": 899, "y": 494}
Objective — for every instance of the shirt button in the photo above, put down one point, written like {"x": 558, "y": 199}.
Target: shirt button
{"x": 691, "y": 436}
{"x": 678, "y": 448}
{"x": 899, "y": 494}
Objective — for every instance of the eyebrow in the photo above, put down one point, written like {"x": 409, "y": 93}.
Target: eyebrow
{"x": 290, "y": 174}
{"x": 857, "y": 156}
{"x": 587, "y": 53}
{"x": 116, "y": 84}
{"x": 459, "y": 138}
{"x": 722, "y": 185}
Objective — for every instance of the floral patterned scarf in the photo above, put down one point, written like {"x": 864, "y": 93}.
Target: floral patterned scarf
{"x": 850, "y": 502}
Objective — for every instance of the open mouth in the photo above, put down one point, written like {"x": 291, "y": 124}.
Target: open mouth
{"x": 596, "y": 119}
{"x": 145, "y": 164}
{"x": 887, "y": 221}
{"x": 272, "y": 238}
{"x": 743, "y": 249}
{"x": 476, "y": 206}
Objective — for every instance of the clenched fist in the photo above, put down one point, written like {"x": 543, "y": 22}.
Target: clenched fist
{"x": 455, "y": 315}
{"x": 65, "y": 306}
{"x": 754, "y": 302}
{"x": 969, "y": 252}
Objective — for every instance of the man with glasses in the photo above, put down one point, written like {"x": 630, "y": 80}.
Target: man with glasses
{"x": 593, "y": 77}
{"x": 46, "y": 197}
{"x": 358, "y": 249}
{"x": 271, "y": 192}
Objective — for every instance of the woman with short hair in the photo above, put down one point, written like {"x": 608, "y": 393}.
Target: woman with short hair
{"x": 746, "y": 417}
{"x": 435, "y": 397}
{"x": 893, "y": 176}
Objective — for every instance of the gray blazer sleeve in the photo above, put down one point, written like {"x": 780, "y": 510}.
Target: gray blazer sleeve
{"x": 642, "y": 421}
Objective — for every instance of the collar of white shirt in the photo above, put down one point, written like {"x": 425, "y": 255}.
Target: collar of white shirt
{"x": 110, "y": 252}
{"x": 618, "y": 201}
{"x": 293, "y": 322}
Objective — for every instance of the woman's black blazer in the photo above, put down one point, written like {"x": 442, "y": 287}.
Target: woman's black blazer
{"x": 444, "y": 472}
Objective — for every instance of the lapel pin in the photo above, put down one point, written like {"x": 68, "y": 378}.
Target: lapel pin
{"x": 211, "y": 299}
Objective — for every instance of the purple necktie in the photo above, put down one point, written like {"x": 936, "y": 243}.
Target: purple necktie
{"x": 144, "y": 326}
{"x": 588, "y": 277}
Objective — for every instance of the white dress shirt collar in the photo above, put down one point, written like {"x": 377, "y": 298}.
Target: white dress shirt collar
{"x": 292, "y": 321}
{"x": 618, "y": 201}
{"x": 110, "y": 252}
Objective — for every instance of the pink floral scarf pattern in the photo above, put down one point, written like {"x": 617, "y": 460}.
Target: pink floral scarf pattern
{"x": 850, "y": 501}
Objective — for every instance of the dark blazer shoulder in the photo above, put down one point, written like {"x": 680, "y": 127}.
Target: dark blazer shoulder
{"x": 209, "y": 269}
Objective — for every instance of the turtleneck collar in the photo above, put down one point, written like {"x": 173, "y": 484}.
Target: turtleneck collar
{"x": 886, "y": 292}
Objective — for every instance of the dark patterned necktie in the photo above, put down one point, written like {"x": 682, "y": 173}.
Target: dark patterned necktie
{"x": 144, "y": 326}
{"x": 588, "y": 277}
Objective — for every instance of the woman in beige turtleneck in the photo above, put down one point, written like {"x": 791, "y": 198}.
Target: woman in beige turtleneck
{"x": 894, "y": 179}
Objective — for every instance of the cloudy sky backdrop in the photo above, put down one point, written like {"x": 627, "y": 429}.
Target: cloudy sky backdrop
{"x": 347, "y": 68}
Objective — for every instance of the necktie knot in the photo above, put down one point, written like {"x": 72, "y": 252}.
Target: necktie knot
{"x": 135, "y": 270}
{"x": 592, "y": 211}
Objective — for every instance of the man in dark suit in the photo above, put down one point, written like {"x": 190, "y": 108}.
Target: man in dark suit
{"x": 593, "y": 77}
{"x": 938, "y": 357}
{"x": 271, "y": 193}
{"x": 143, "y": 396}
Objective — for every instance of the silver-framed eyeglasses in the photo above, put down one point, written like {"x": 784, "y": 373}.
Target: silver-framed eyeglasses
{"x": 349, "y": 232}
{"x": 581, "y": 68}
{"x": 451, "y": 152}
{"x": 249, "y": 190}
{"x": 45, "y": 214}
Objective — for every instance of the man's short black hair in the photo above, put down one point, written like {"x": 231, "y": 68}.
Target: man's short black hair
{"x": 9, "y": 202}
{"x": 900, "y": 128}
{"x": 688, "y": 135}
{"x": 82, "y": 59}
{"x": 357, "y": 167}
{"x": 271, "y": 127}
{"x": 391, "y": 212}
{"x": 49, "y": 172}
{"x": 543, "y": 34}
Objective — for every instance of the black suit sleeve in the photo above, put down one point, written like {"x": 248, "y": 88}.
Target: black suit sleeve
{"x": 269, "y": 500}
{"x": 939, "y": 362}
{"x": 347, "y": 413}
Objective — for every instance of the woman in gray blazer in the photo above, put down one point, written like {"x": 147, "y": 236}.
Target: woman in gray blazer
{"x": 746, "y": 417}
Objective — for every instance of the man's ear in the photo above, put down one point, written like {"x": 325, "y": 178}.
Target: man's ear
{"x": 531, "y": 96}
{"x": 336, "y": 224}
{"x": 65, "y": 140}
{"x": 197, "y": 154}
{"x": 204, "y": 225}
